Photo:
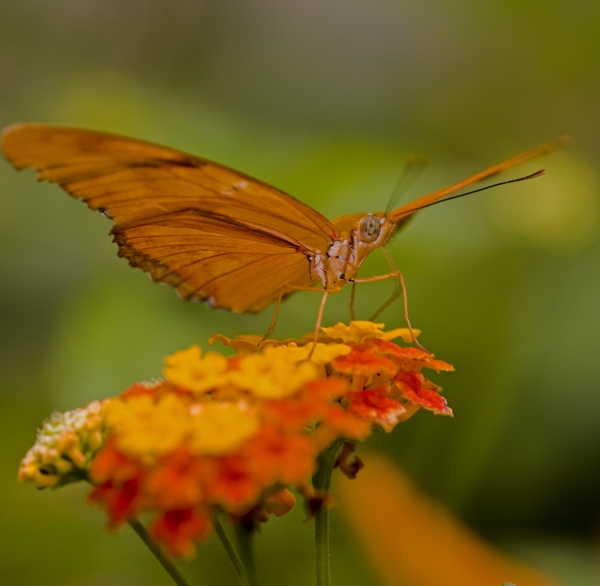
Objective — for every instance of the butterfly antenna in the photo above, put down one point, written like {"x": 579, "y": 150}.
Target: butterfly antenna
{"x": 516, "y": 180}
{"x": 413, "y": 166}
{"x": 403, "y": 212}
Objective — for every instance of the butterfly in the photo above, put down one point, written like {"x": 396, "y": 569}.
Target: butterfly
{"x": 212, "y": 233}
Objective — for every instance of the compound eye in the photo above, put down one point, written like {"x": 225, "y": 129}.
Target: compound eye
{"x": 370, "y": 228}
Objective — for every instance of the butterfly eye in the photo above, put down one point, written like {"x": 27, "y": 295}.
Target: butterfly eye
{"x": 370, "y": 228}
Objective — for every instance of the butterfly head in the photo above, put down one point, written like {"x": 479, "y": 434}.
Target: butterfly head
{"x": 356, "y": 236}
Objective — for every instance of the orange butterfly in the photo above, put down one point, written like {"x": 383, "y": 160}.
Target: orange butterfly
{"x": 210, "y": 232}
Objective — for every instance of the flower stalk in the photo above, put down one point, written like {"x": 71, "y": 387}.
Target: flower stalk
{"x": 321, "y": 483}
{"x": 165, "y": 561}
{"x": 245, "y": 531}
{"x": 232, "y": 553}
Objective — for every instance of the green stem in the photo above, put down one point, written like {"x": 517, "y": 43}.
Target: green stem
{"x": 321, "y": 483}
{"x": 231, "y": 551}
{"x": 245, "y": 533}
{"x": 159, "y": 554}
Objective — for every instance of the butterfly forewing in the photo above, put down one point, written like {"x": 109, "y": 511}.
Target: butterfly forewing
{"x": 203, "y": 228}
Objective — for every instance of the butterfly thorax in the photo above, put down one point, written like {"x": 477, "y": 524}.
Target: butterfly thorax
{"x": 356, "y": 236}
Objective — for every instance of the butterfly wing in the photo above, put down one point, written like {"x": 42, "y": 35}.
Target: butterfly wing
{"x": 209, "y": 231}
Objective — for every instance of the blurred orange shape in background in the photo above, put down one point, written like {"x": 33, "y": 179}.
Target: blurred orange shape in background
{"x": 412, "y": 540}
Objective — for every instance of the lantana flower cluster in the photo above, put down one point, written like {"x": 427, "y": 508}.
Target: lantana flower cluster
{"x": 235, "y": 435}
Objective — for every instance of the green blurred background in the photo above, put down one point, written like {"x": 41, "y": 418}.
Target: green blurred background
{"x": 324, "y": 99}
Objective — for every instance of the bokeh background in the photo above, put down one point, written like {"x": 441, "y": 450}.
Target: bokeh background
{"x": 324, "y": 100}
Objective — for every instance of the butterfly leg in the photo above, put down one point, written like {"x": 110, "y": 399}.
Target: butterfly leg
{"x": 320, "y": 315}
{"x": 289, "y": 289}
{"x": 396, "y": 293}
{"x": 318, "y": 322}
{"x": 400, "y": 289}
{"x": 352, "y": 297}
{"x": 275, "y": 316}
